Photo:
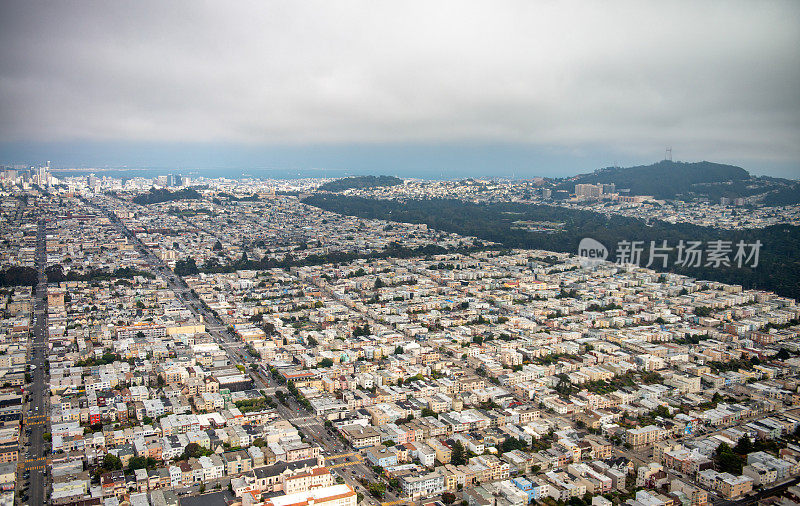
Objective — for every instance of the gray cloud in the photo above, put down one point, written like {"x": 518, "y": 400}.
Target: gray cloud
{"x": 713, "y": 79}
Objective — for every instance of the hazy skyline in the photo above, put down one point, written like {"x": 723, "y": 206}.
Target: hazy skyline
{"x": 549, "y": 88}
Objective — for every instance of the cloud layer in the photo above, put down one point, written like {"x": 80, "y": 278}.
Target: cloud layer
{"x": 713, "y": 79}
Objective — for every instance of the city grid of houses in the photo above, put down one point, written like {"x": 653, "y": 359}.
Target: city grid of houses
{"x": 144, "y": 366}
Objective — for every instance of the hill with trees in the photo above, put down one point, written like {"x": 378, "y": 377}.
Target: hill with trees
{"x": 360, "y": 182}
{"x": 787, "y": 195}
{"x": 158, "y": 195}
{"x": 779, "y": 263}
{"x": 665, "y": 179}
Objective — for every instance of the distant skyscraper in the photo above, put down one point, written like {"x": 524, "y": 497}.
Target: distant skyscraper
{"x": 174, "y": 180}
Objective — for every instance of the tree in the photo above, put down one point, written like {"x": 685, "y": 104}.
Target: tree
{"x": 377, "y": 489}
{"x": 194, "y": 450}
{"x": 702, "y": 311}
{"x": 325, "y": 362}
{"x": 111, "y": 462}
{"x": 398, "y": 350}
{"x": 137, "y": 463}
{"x": 448, "y": 498}
{"x": 186, "y": 267}
{"x": 457, "y": 456}
{"x": 743, "y": 446}
{"x": 361, "y": 331}
{"x": 728, "y": 461}
{"x": 783, "y": 354}
{"x": 512, "y": 443}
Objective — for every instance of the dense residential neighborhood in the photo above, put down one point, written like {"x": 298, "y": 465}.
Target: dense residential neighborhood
{"x": 246, "y": 348}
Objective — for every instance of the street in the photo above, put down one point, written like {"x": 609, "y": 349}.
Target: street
{"x": 350, "y": 467}
{"x": 36, "y": 419}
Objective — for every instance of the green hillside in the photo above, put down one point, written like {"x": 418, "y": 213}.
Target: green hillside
{"x": 664, "y": 179}
{"x": 360, "y": 182}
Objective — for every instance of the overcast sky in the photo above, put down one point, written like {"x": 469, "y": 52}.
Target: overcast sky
{"x": 591, "y": 82}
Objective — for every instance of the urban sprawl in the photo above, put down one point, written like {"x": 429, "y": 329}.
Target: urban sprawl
{"x": 144, "y": 361}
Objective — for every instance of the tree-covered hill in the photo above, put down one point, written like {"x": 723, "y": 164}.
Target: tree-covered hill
{"x": 665, "y": 179}
{"x": 157, "y": 195}
{"x": 360, "y": 182}
{"x": 779, "y": 262}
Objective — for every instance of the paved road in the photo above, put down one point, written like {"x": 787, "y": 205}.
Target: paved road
{"x": 310, "y": 426}
{"x": 36, "y": 418}
{"x": 214, "y": 326}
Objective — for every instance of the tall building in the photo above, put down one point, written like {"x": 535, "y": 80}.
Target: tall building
{"x": 588, "y": 190}
{"x": 174, "y": 180}
{"x": 595, "y": 190}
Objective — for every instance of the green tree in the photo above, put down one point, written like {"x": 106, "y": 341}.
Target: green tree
{"x": 458, "y": 455}
{"x": 512, "y": 443}
{"x": 702, "y": 311}
{"x": 728, "y": 461}
{"x": 428, "y": 412}
{"x": 137, "y": 463}
{"x": 377, "y": 489}
{"x": 194, "y": 450}
{"x": 743, "y": 446}
{"x": 111, "y": 462}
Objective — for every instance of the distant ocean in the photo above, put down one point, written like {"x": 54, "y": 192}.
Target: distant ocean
{"x": 149, "y": 173}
